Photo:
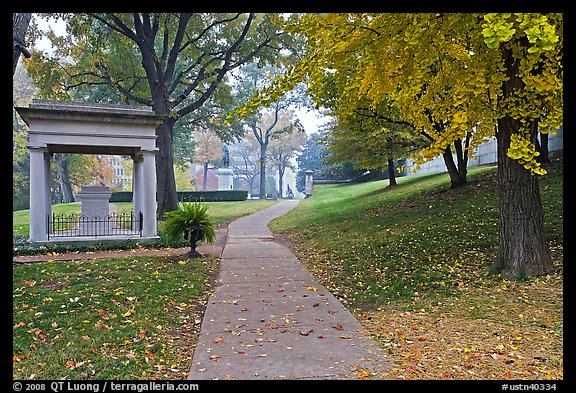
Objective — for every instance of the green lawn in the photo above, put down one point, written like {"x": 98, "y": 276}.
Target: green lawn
{"x": 221, "y": 212}
{"x": 124, "y": 318}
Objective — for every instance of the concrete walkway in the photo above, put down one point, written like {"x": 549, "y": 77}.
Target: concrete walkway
{"x": 268, "y": 318}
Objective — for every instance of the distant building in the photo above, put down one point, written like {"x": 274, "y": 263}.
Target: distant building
{"x": 122, "y": 178}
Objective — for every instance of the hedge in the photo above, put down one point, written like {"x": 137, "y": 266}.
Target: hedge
{"x": 190, "y": 196}
{"x": 212, "y": 196}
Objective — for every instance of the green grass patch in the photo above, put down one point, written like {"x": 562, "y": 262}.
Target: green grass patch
{"x": 222, "y": 213}
{"x": 124, "y": 318}
{"x": 373, "y": 245}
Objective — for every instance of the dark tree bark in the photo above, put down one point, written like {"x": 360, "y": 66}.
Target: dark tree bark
{"x": 542, "y": 148}
{"x": 457, "y": 175}
{"x": 63, "y": 179}
{"x": 457, "y": 171}
{"x": 522, "y": 246}
{"x": 391, "y": 172}
{"x": 204, "y": 180}
{"x": 20, "y": 22}
{"x": 263, "y": 149}
{"x": 281, "y": 169}
{"x": 166, "y": 191}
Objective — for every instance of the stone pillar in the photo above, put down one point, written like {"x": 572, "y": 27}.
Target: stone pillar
{"x": 137, "y": 189}
{"x": 149, "y": 193}
{"x": 225, "y": 179}
{"x": 39, "y": 193}
{"x": 47, "y": 191}
{"x": 309, "y": 183}
{"x": 94, "y": 210}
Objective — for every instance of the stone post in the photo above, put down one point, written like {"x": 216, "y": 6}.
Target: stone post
{"x": 309, "y": 183}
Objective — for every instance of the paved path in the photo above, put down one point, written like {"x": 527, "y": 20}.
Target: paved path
{"x": 268, "y": 318}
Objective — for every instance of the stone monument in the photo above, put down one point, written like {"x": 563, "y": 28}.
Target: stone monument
{"x": 225, "y": 175}
{"x": 94, "y": 210}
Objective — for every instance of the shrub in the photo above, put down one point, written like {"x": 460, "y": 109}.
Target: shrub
{"x": 192, "y": 221}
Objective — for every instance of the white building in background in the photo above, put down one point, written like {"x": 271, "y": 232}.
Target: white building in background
{"x": 122, "y": 172}
{"x": 486, "y": 153}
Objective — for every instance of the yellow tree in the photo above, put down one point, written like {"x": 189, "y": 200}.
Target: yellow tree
{"x": 208, "y": 148}
{"x": 454, "y": 76}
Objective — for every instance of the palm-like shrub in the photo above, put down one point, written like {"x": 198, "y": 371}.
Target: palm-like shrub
{"x": 192, "y": 221}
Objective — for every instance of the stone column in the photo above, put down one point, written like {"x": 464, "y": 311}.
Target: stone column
{"x": 47, "y": 191}
{"x": 309, "y": 182}
{"x": 149, "y": 193}
{"x": 38, "y": 181}
{"x": 137, "y": 189}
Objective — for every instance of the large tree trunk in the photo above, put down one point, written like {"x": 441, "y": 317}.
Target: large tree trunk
{"x": 391, "y": 173}
{"x": 522, "y": 246}
{"x": 167, "y": 197}
{"x": 522, "y": 250}
{"x": 20, "y": 22}
{"x": 63, "y": 179}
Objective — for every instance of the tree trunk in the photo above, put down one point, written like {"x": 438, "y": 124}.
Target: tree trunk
{"x": 204, "y": 180}
{"x": 391, "y": 173}
{"x": 522, "y": 251}
{"x": 63, "y": 179}
{"x": 522, "y": 246}
{"x": 263, "y": 148}
{"x": 280, "y": 179}
{"x": 456, "y": 178}
{"x": 167, "y": 197}
{"x": 20, "y": 22}
{"x": 544, "y": 156}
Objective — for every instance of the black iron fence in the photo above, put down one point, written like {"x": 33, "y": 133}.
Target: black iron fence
{"x": 76, "y": 225}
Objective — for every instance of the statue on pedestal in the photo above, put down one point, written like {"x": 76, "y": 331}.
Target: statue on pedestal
{"x": 225, "y": 157}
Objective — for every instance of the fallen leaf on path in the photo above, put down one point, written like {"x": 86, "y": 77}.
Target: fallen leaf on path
{"x": 306, "y": 332}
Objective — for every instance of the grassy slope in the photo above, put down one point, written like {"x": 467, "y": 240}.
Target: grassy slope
{"x": 423, "y": 249}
